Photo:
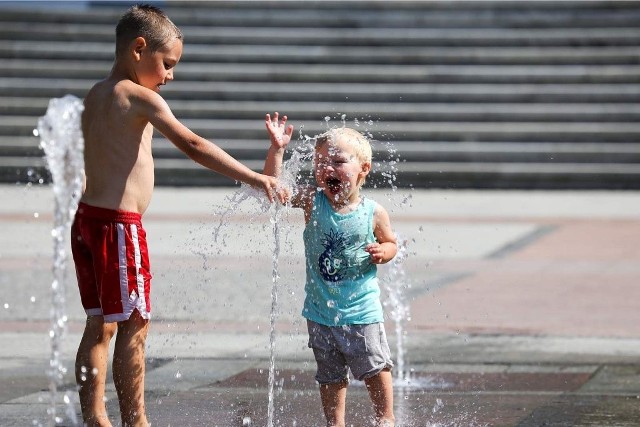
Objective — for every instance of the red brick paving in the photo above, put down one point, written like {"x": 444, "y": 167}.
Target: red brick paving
{"x": 581, "y": 279}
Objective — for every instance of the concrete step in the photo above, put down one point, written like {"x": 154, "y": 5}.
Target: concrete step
{"x": 346, "y": 92}
{"x": 377, "y": 111}
{"x": 447, "y": 152}
{"x": 405, "y": 151}
{"x": 447, "y": 175}
{"x": 361, "y": 14}
{"x": 343, "y": 73}
{"x": 179, "y": 172}
{"x": 412, "y": 131}
{"x": 374, "y": 36}
{"x": 264, "y": 53}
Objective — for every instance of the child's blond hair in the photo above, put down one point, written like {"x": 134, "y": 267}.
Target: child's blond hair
{"x": 352, "y": 137}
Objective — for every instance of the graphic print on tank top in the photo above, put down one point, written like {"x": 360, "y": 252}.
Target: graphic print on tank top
{"x": 332, "y": 261}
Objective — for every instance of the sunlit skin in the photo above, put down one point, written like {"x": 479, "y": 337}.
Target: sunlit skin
{"x": 339, "y": 173}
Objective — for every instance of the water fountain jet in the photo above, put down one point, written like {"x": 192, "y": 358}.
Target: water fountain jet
{"x": 61, "y": 139}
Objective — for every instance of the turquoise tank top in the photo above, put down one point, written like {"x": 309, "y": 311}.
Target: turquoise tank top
{"x": 342, "y": 284}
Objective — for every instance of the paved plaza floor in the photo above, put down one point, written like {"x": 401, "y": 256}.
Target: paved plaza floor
{"x": 523, "y": 311}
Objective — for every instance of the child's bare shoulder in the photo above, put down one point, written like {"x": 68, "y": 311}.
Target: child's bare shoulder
{"x": 125, "y": 95}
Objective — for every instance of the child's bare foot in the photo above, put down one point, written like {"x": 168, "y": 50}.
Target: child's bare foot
{"x": 98, "y": 421}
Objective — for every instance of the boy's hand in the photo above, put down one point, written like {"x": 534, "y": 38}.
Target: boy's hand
{"x": 272, "y": 188}
{"x": 279, "y": 133}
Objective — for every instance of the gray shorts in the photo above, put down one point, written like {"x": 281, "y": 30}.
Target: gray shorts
{"x": 361, "y": 348}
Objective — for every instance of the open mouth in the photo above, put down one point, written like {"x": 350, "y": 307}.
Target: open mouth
{"x": 333, "y": 184}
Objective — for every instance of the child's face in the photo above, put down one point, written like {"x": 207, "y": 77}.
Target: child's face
{"x": 155, "y": 69}
{"x": 338, "y": 171}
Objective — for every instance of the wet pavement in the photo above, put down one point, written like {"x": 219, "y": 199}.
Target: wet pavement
{"x": 524, "y": 312}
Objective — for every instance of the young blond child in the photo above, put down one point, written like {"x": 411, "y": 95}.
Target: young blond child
{"x": 108, "y": 240}
{"x": 345, "y": 236}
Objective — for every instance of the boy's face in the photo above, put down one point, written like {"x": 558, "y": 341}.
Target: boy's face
{"x": 154, "y": 69}
{"x": 338, "y": 171}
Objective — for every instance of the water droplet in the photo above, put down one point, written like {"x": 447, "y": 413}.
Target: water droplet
{"x": 178, "y": 375}
{"x": 6, "y": 305}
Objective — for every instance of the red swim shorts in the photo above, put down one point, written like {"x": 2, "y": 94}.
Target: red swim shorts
{"x": 112, "y": 262}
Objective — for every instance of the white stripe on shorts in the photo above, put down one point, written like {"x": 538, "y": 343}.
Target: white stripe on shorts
{"x": 141, "y": 303}
{"x": 122, "y": 267}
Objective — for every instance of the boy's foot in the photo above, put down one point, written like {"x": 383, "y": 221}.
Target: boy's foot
{"x": 98, "y": 421}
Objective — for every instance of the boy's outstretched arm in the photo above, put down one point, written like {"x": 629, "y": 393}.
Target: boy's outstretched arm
{"x": 197, "y": 148}
{"x": 280, "y": 135}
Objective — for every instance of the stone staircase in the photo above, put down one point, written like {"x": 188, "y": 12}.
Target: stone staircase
{"x": 478, "y": 94}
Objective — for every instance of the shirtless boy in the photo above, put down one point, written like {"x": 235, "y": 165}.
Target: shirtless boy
{"x": 108, "y": 240}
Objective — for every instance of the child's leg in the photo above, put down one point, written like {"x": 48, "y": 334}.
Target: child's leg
{"x": 380, "y": 388}
{"x": 334, "y": 398}
{"x": 129, "y": 369}
{"x": 91, "y": 370}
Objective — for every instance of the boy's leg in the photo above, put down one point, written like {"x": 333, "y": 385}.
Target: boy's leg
{"x": 334, "y": 398}
{"x": 380, "y": 388}
{"x": 91, "y": 370}
{"x": 129, "y": 369}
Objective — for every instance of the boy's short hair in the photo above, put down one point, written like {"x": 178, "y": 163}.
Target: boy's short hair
{"x": 143, "y": 20}
{"x": 350, "y": 136}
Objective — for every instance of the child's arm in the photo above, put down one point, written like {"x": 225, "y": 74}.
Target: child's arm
{"x": 153, "y": 107}
{"x": 386, "y": 246}
{"x": 280, "y": 136}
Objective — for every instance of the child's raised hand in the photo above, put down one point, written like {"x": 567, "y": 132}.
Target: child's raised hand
{"x": 279, "y": 133}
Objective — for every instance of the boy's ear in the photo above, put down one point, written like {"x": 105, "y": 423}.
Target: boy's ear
{"x": 366, "y": 167}
{"x": 138, "y": 46}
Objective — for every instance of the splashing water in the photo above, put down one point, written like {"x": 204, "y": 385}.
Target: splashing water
{"x": 294, "y": 171}
{"x": 273, "y": 316}
{"x": 395, "y": 283}
{"x": 290, "y": 175}
{"x": 63, "y": 145}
